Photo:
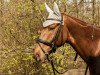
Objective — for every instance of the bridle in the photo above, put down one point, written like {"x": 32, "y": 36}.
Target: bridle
{"x": 53, "y": 46}
{"x": 52, "y": 43}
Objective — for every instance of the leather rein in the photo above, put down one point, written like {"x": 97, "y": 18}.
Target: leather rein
{"x": 53, "y": 46}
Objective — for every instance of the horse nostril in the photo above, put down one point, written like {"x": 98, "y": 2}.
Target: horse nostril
{"x": 37, "y": 58}
{"x": 33, "y": 48}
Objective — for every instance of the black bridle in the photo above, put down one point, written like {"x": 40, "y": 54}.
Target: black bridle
{"x": 53, "y": 46}
{"x": 52, "y": 43}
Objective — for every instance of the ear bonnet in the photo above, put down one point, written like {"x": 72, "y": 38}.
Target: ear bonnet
{"x": 55, "y": 14}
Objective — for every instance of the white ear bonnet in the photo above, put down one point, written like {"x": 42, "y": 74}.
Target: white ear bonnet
{"x": 53, "y": 14}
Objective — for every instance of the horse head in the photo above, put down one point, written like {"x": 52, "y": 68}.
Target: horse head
{"x": 52, "y": 35}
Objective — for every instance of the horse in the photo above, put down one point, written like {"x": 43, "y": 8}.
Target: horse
{"x": 60, "y": 28}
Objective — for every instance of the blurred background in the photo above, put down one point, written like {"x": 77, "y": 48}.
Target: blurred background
{"x": 19, "y": 22}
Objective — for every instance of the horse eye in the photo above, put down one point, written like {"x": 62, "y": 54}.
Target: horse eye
{"x": 51, "y": 28}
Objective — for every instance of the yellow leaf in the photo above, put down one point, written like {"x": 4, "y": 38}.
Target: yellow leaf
{"x": 9, "y": 72}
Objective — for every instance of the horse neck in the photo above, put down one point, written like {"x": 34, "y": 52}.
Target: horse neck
{"x": 80, "y": 39}
{"x": 76, "y": 37}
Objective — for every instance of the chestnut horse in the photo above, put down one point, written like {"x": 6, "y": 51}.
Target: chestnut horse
{"x": 83, "y": 37}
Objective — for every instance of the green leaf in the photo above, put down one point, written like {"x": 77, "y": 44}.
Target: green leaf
{"x": 9, "y": 72}
{"x": 42, "y": 7}
{"x": 44, "y": 65}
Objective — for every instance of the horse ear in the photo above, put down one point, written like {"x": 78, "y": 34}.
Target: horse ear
{"x": 56, "y": 10}
{"x": 52, "y": 14}
{"x": 48, "y": 8}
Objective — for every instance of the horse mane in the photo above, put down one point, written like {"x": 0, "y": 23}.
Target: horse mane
{"x": 79, "y": 21}
{"x": 83, "y": 22}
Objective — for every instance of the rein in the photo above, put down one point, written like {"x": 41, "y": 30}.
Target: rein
{"x": 53, "y": 45}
